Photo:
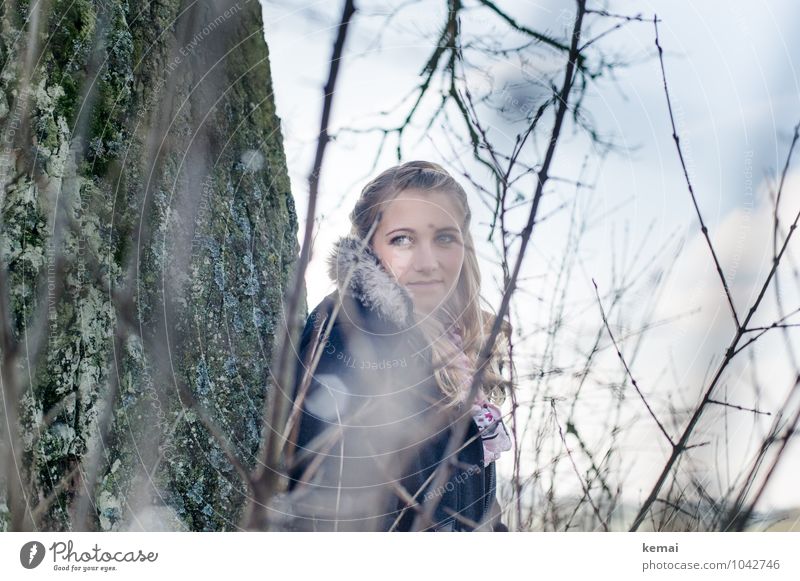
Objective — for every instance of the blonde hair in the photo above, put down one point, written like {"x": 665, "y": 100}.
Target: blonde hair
{"x": 463, "y": 308}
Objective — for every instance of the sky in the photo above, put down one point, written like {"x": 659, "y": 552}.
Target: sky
{"x": 735, "y": 92}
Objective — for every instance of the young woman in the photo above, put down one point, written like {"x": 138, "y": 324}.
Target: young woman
{"x": 385, "y": 364}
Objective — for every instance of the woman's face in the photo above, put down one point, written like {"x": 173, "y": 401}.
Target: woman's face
{"x": 419, "y": 241}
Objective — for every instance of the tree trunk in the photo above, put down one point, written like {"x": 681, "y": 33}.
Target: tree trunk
{"x": 147, "y": 214}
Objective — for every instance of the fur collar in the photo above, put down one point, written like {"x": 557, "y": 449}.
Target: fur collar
{"x": 370, "y": 284}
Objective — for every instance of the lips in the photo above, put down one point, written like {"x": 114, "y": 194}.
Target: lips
{"x": 427, "y": 286}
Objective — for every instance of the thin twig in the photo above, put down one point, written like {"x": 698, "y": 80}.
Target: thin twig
{"x": 677, "y": 139}
{"x": 738, "y": 407}
{"x": 627, "y": 369}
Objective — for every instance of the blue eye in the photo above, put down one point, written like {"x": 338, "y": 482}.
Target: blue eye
{"x": 405, "y": 239}
{"x": 394, "y": 241}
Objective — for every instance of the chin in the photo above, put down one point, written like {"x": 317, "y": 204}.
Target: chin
{"x": 428, "y": 307}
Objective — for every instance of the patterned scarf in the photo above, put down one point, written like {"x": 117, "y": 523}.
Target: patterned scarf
{"x": 486, "y": 415}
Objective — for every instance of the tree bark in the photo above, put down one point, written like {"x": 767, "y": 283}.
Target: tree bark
{"x": 147, "y": 213}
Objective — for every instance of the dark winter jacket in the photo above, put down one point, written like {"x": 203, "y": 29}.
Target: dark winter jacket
{"x": 368, "y": 417}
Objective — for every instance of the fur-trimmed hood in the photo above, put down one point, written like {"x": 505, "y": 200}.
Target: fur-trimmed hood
{"x": 370, "y": 284}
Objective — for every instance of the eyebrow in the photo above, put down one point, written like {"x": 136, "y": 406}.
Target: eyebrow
{"x": 446, "y": 228}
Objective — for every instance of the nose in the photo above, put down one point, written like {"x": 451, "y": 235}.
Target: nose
{"x": 425, "y": 259}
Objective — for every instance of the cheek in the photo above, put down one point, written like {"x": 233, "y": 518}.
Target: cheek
{"x": 453, "y": 261}
{"x": 396, "y": 261}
